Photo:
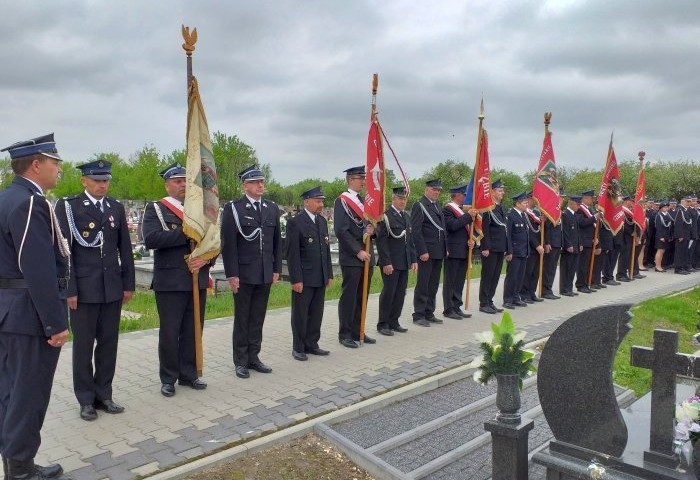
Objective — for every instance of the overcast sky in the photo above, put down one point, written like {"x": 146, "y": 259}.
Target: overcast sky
{"x": 292, "y": 78}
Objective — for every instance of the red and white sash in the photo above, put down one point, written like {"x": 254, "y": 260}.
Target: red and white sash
{"x": 627, "y": 211}
{"x": 532, "y": 216}
{"x": 174, "y": 206}
{"x": 354, "y": 204}
{"x": 457, "y": 211}
{"x": 585, "y": 211}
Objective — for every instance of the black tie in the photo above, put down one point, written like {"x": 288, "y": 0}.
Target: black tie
{"x": 359, "y": 197}
{"x": 98, "y": 204}
{"x": 436, "y": 207}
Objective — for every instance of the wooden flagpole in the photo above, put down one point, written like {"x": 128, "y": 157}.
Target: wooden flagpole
{"x": 471, "y": 227}
{"x": 543, "y": 221}
{"x": 190, "y": 39}
{"x": 634, "y": 225}
{"x": 368, "y": 240}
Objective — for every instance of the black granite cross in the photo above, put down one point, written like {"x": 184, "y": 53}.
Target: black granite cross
{"x": 665, "y": 363}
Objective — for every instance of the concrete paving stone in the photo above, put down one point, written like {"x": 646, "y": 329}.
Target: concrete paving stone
{"x": 193, "y": 434}
{"x": 134, "y": 459}
{"x": 201, "y": 423}
{"x": 117, "y": 472}
{"x": 119, "y": 448}
{"x": 163, "y": 435}
{"x": 146, "y": 469}
{"x": 193, "y": 452}
{"x": 150, "y": 446}
{"x": 102, "y": 461}
{"x": 179, "y": 444}
{"x": 86, "y": 473}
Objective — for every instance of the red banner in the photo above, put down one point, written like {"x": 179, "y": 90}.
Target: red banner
{"x": 374, "y": 170}
{"x": 610, "y": 198}
{"x": 639, "y": 214}
{"x": 482, "y": 199}
{"x": 546, "y": 188}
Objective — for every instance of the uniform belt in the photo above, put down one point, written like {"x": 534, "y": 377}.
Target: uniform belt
{"x": 22, "y": 283}
{"x": 13, "y": 283}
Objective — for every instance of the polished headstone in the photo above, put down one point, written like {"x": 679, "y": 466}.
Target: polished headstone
{"x": 575, "y": 380}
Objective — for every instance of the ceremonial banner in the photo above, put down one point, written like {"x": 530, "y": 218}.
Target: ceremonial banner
{"x": 639, "y": 214}
{"x": 202, "y": 194}
{"x": 610, "y": 198}
{"x": 546, "y": 188}
{"x": 482, "y": 199}
{"x": 469, "y": 203}
{"x": 374, "y": 169}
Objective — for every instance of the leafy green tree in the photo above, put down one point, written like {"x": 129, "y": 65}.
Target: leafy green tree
{"x": 232, "y": 155}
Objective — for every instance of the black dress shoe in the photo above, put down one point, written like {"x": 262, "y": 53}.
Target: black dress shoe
{"x": 585, "y": 290}
{"x": 551, "y": 296}
{"x": 682, "y": 272}
{"x": 399, "y": 329}
{"x": 196, "y": 384}
{"x": 527, "y": 300}
{"x": 488, "y": 309}
{"x": 369, "y": 340}
{"x": 301, "y": 356}
{"x": 454, "y": 316}
{"x": 433, "y": 319}
{"x": 601, "y": 286}
{"x": 50, "y": 471}
{"x": 509, "y": 306}
{"x": 167, "y": 389}
{"x": 422, "y": 322}
{"x": 386, "y": 331}
{"x": 109, "y": 406}
{"x": 464, "y": 314}
{"x": 536, "y": 299}
{"x": 88, "y": 413}
{"x": 498, "y": 310}
{"x": 259, "y": 366}
{"x": 639, "y": 276}
{"x": 624, "y": 279}
{"x": 568, "y": 294}
{"x": 594, "y": 287}
{"x": 520, "y": 303}
{"x": 317, "y": 351}
{"x": 346, "y": 342}
{"x": 612, "y": 282}
{"x": 242, "y": 372}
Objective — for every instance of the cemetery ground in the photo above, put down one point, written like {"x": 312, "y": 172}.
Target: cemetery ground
{"x": 233, "y": 418}
{"x": 311, "y": 457}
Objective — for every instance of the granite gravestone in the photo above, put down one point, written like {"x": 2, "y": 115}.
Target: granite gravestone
{"x": 590, "y": 432}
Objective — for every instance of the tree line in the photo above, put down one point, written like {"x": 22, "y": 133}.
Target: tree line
{"x": 136, "y": 178}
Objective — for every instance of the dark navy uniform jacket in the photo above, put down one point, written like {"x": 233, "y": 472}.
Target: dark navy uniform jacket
{"x": 534, "y": 230}
{"x": 349, "y": 230}
{"x": 426, "y": 237}
{"x": 254, "y": 261}
{"x": 308, "y": 250}
{"x": 98, "y": 274}
{"x": 495, "y": 233}
{"x": 683, "y": 225}
{"x": 569, "y": 230}
{"x": 586, "y": 226}
{"x": 606, "y": 241}
{"x": 40, "y": 309}
{"x": 400, "y": 253}
{"x": 552, "y": 234}
{"x": 457, "y": 233}
{"x": 518, "y": 234}
{"x": 170, "y": 245}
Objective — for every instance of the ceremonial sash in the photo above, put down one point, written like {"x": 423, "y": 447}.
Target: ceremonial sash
{"x": 457, "y": 211}
{"x": 532, "y": 216}
{"x": 172, "y": 206}
{"x": 627, "y": 211}
{"x": 587, "y": 212}
{"x": 352, "y": 203}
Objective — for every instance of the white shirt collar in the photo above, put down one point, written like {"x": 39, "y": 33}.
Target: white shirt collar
{"x": 91, "y": 198}
{"x": 572, "y": 212}
{"x": 252, "y": 200}
{"x": 397, "y": 210}
{"x": 312, "y": 216}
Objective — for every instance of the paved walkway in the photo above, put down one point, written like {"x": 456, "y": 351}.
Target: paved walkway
{"x": 156, "y": 433}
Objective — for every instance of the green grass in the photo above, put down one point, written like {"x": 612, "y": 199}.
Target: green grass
{"x": 221, "y": 305}
{"x": 672, "y": 313}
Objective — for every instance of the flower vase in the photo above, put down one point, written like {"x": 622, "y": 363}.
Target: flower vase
{"x": 508, "y": 398}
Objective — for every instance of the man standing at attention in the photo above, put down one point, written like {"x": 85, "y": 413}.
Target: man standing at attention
{"x": 172, "y": 284}
{"x": 428, "y": 229}
{"x": 570, "y": 249}
{"x": 34, "y": 268}
{"x": 102, "y": 278}
{"x": 350, "y": 228}
{"x": 457, "y": 225}
{"x": 397, "y": 255}
{"x": 310, "y": 272}
{"x": 493, "y": 247}
{"x": 251, "y": 247}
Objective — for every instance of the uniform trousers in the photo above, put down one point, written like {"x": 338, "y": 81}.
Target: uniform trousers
{"x": 392, "y": 298}
{"x": 598, "y": 261}
{"x": 623, "y": 261}
{"x": 584, "y": 264}
{"x": 453, "y": 284}
{"x": 27, "y": 367}
{"x": 250, "y": 307}
{"x": 95, "y": 328}
{"x": 567, "y": 270}
{"x": 690, "y": 256}
{"x": 176, "y": 349}
{"x": 551, "y": 260}
{"x": 610, "y": 263}
{"x": 307, "y": 315}
{"x": 491, "y": 267}
{"x": 515, "y": 274}
{"x": 680, "y": 259}
{"x": 426, "y": 288}
{"x": 532, "y": 276}
{"x": 350, "y": 302}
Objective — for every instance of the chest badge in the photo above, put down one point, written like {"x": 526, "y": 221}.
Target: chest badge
{"x": 86, "y": 234}
{"x": 111, "y": 219}
{"x": 86, "y": 202}
{"x": 91, "y": 224}
{"x": 311, "y": 240}
{"x": 111, "y": 224}
{"x": 173, "y": 226}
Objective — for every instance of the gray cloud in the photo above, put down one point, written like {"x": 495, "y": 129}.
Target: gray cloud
{"x": 292, "y": 79}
